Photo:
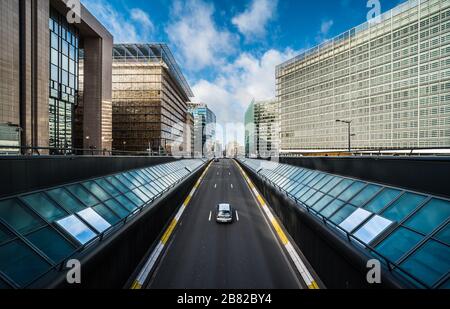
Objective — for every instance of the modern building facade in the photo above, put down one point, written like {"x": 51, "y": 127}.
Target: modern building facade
{"x": 40, "y": 75}
{"x": 218, "y": 149}
{"x": 390, "y": 77}
{"x": 205, "y": 122}
{"x": 235, "y": 150}
{"x": 150, "y": 96}
{"x": 250, "y": 132}
{"x": 262, "y": 135}
{"x": 189, "y": 137}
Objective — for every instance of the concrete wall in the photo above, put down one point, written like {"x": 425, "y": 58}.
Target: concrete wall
{"x": 9, "y": 61}
{"x": 24, "y": 74}
{"x": 35, "y": 54}
{"x": 25, "y": 174}
{"x": 427, "y": 175}
{"x": 92, "y": 93}
{"x": 40, "y": 62}
{"x": 97, "y": 100}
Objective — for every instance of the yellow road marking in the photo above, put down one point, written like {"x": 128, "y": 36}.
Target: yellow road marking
{"x": 280, "y": 232}
{"x": 313, "y": 286}
{"x": 311, "y": 283}
{"x": 187, "y": 201}
{"x": 137, "y": 284}
{"x": 169, "y": 231}
{"x": 261, "y": 201}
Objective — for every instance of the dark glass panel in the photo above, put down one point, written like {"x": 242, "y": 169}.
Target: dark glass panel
{"x": 62, "y": 197}
{"x": 403, "y": 207}
{"x": 429, "y": 217}
{"x": 399, "y": 243}
{"x": 429, "y": 263}
{"x": 52, "y": 244}
{"x": 27, "y": 264}
{"x": 19, "y": 218}
{"x": 95, "y": 189}
{"x": 87, "y": 198}
{"x": 46, "y": 208}
{"x": 107, "y": 214}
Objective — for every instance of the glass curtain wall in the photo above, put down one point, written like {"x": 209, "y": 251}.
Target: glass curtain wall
{"x": 64, "y": 57}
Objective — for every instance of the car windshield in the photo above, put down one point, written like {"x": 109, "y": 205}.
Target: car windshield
{"x": 224, "y": 213}
{"x": 224, "y": 210}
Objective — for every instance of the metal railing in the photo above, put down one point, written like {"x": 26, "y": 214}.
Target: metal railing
{"x": 382, "y": 151}
{"x": 44, "y": 151}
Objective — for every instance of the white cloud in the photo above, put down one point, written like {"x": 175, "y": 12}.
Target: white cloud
{"x": 247, "y": 78}
{"x": 200, "y": 41}
{"x": 129, "y": 26}
{"x": 252, "y": 23}
{"x": 325, "y": 28}
{"x": 143, "y": 18}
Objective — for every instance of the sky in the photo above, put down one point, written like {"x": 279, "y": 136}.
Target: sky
{"x": 228, "y": 49}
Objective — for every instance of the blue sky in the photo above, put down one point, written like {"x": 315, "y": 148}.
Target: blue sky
{"x": 228, "y": 49}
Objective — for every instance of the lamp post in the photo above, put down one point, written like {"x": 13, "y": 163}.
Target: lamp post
{"x": 88, "y": 146}
{"x": 349, "y": 123}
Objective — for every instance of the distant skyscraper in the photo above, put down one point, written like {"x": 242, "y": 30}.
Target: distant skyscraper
{"x": 204, "y": 129}
{"x": 40, "y": 77}
{"x": 150, "y": 96}
{"x": 262, "y": 129}
{"x": 234, "y": 150}
{"x": 218, "y": 149}
{"x": 250, "y": 131}
{"x": 391, "y": 79}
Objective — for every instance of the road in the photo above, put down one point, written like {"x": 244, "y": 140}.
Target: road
{"x": 206, "y": 255}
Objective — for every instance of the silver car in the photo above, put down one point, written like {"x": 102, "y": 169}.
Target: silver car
{"x": 224, "y": 213}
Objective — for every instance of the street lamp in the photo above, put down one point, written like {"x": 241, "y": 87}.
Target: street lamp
{"x": 349, "y": 123}
{"x": 88, "y": 144}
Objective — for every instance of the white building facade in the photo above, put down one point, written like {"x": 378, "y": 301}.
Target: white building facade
{"x": 389, "y": 77}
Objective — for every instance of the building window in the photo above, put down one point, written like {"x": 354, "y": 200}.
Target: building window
{"x": 63, "y": 85}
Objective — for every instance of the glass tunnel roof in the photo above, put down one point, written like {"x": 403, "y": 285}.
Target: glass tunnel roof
{"x": 40, "y": 230}
{"x": 408, "y": 231}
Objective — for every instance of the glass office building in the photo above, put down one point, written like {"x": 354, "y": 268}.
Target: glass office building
{"x": 63, "y": 82}
{"x": 150, "y": 96}
{"x": 250, "y": 137}
{"x": 262, "y": 129}
{"x": 204, "y": 129}
{"x": 390, "y": 77}
{"x": 40, "y": 76}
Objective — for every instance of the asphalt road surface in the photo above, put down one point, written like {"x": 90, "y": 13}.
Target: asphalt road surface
{"x": 207, "y": 255}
